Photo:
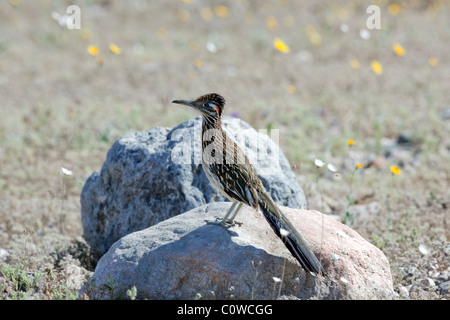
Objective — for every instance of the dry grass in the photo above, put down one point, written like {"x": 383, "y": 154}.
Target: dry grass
{"x": 62, "y": 107}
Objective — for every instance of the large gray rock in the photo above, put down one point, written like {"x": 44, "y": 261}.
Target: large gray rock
{"x": 153, "y": 175}
{"x": 183, "y": 256}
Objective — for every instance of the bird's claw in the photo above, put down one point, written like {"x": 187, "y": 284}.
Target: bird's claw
{"x": 226, "y": 224}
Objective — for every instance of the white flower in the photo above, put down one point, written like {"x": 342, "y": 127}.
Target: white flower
{"x": 276, "y": 279}
{"x": 344, "y": 28}
{"x": 331, "y": 167}
{"x": 3, "y": 254}
{"x": 63, "y": 20}
{"x": 211, "y": 47}
{"x": 284, "y": 232}
{"x": 66, "y": 172}
{"x": 423, "y": 249}
{"x": 319, "y": 163}
{"x": 364, "y": 34}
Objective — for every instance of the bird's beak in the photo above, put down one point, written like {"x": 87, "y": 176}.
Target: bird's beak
{"x": 185, "y": 102}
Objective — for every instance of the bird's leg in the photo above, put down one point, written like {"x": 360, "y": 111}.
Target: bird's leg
{"x": 231, "y": 220}
{"x": 225, "y": 222}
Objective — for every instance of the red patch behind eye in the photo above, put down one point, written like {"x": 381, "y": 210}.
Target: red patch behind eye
{"x": 217, "y": 108}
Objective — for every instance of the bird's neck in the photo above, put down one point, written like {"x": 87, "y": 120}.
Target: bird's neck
{"x": 211, "y": 122}
{"x": 211, "y": 129}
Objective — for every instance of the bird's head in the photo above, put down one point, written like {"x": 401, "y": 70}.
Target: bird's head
{"x": 210, "y": 104}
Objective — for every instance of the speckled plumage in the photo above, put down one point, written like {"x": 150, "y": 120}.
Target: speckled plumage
{"x": 229, "y": 170}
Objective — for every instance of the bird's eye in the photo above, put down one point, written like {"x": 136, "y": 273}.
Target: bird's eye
{"x": 210, "y": 105}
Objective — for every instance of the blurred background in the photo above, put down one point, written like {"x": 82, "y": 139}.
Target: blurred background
{"x": 372, "y": 102}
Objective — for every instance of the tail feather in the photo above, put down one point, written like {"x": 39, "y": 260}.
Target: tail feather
{"x": 291, "y": 238}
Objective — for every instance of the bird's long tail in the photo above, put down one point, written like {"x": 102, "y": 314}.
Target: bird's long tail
{"x": 288, "y": 234}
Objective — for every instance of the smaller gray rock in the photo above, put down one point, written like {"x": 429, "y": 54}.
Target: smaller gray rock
{"x": 153, "y": 175}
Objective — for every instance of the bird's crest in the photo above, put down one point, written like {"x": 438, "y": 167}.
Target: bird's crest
{"x": 215, "y": 98}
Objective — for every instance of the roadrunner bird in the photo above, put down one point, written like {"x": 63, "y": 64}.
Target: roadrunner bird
{"x": 229, "y": 171}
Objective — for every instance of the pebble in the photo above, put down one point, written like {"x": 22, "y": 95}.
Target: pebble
{"x": 446, "y": 114}
{"x": 425, "y": 284}
{"x": 378, "y": 162}
{"x": 403, "y": 292}
{"x": 403, "y": 139}
{"x": 3, "y": 254}
{"x": 447, "y": 250}
{"x": 412, "y": 271}
{"x": 445, "y": 287}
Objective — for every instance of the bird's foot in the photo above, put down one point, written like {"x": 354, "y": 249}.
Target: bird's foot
{"x": 233, "y": 223}
{"x": 224, "y": 223}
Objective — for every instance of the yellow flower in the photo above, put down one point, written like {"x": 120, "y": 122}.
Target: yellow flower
{"x": 342, "y": 14}
{"x": 85, "y": 34}
{"x": 433, "y": 62}
{"x": 184, "y": 15}
{"x": 271, "y": 23}
{"x": 206, "y": 14}
{"x": 398, "y": 49}
{"x": 350, "y": 142}
{"x": 14, "y": 3}
{"x": 222, "y": 11}
{"x": 192, "y": 74}
{"x": 291, "y": 89}
{"x": 115, "y": 49}
{"x": 395, "y": 170}
{"x": 281, "y": 46}
{"x": 249, "y": 18}
{"x": 289, "y": 21}
{"x": 354, "y": 64}
{"x": 314, "y": 36}
{"x": 359, "y": 166}
{"x": 315, "y": 39}
{"x": 197, "y": 63}
{"x": 93, "y": 50}
{"x": 310, "y": 29}
{"x": 394, "y": 9}
{"x": 161, "y": 33}
{"x": 193, "y": 46}
{"x": 377, "y": 68}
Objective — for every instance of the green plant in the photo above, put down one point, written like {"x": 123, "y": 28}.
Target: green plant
{"x": 132, "y": 293}
{"x": 22, "y": 283}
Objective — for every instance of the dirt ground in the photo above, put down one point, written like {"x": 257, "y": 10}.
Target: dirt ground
{"x": 336, "y": 90}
